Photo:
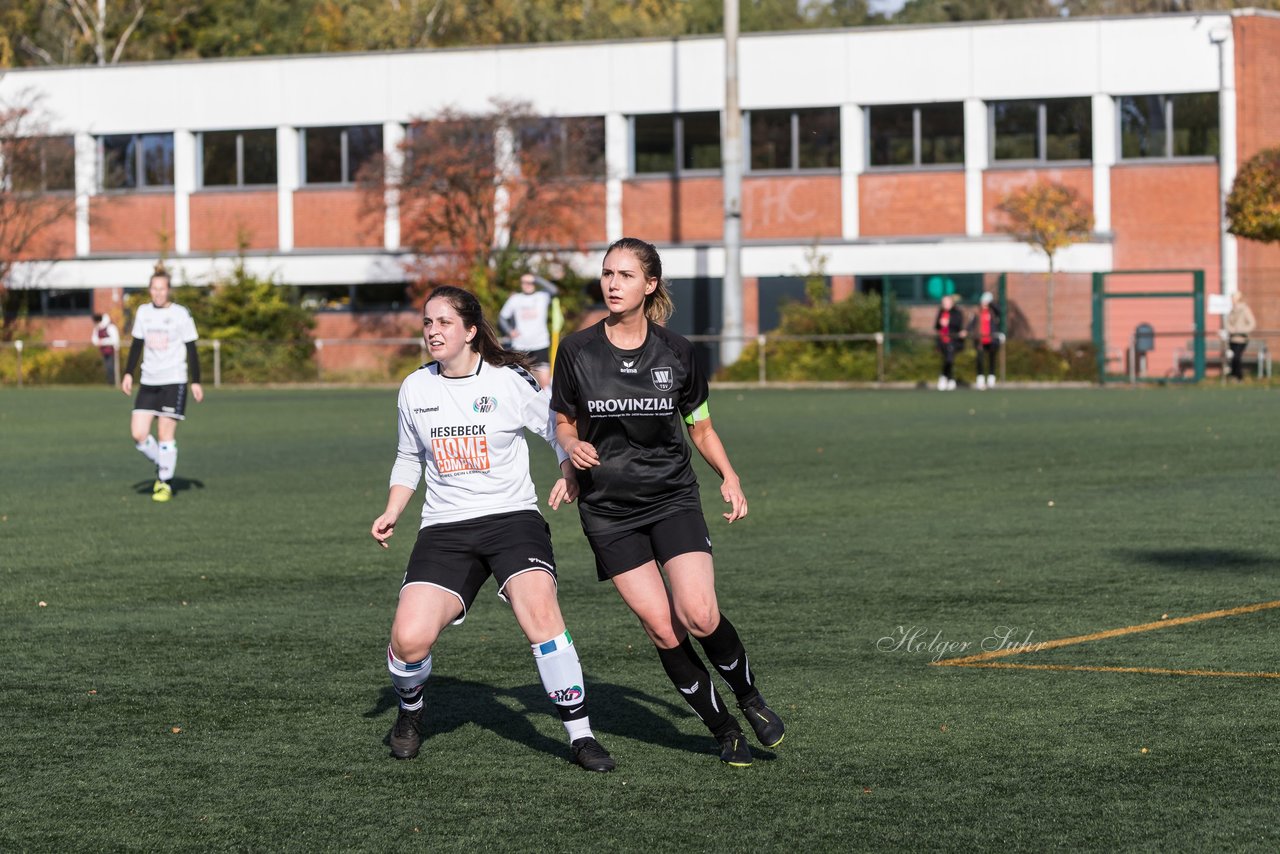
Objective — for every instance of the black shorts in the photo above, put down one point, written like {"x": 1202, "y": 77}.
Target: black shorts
{"x": 619, "y": 551}
{"x": 459, "y": 557}
{"x": 540, "y": 357}
{"x": 168, "y": 401}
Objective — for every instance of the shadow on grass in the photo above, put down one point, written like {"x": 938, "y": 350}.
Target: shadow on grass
{"x": 1201, "y": 560}
{"x": 179, "y": 484}
{"x": 615, "y": 709}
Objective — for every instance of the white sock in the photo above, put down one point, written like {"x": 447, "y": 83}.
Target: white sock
{"x": 408, "y": 677}
{"x": 148, "y": 447}
{"x": 561, "y": 673}
{"x": 167, "y": 459}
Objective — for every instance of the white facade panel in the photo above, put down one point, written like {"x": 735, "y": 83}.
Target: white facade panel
{"x": 1036, "y": 60}
{"x": 1161, "y": 55}
{"x": 794, "y": 71}
{"x": 910, "y": 65}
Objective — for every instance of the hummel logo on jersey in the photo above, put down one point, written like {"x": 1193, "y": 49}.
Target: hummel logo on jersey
{"x": 663, "y": 378}
{"x": 422, "y": 409}
{"x": 727, "y": 667}
{"x": 692, "y": 689}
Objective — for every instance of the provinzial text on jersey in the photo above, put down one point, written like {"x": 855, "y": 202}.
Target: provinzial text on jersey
{"x": 627, "y": 405}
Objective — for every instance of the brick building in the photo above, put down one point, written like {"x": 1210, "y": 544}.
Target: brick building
{"x": 885, "y": 148}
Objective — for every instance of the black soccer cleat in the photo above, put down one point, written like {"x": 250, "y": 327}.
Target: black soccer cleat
{"x": 591, "y": 756}
{"x": 733, "y": 748}
{"x": 406, "y": 736}
{"x": 764, "y": 721}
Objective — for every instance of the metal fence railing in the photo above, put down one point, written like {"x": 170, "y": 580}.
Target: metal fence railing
{"x": 873, "y": 358}
{"x": 1132, "y": 360}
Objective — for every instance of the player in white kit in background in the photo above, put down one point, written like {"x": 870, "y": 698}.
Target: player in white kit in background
{"x": 462, "y": 422}
{"x": 524, "y": 318}
{"x": 164, "y": 338}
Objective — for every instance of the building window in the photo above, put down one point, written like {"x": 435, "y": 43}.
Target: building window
{"x": 136, "y": 161}
{"x": 794, "y": 139}
{"x": 238, "y": 158}
{"x": 18, "y": 302}
{"x": 675, "y": 143}
{"x": 1165, "y": 126}
{"x": 335, "y": 155}
{"x": 39, "y": 164}
{"x": 369, "y": 297}
{"x": 925, "y": 287}
{"x": 563, "y": 147}
{"x": 1058, "y": 129}
{"x": 914, "y": 136}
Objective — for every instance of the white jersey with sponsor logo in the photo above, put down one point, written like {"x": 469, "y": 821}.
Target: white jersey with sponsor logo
{"x": 165, "y": 333}
{"x": 465, "y": 437}
{"x": 526, "y": 316}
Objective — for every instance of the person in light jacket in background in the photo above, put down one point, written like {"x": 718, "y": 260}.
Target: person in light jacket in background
{"x": 1238, "y": 324}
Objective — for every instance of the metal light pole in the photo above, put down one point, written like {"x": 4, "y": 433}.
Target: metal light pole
{"x": 731, "y": 158}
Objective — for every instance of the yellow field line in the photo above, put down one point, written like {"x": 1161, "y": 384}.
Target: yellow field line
{"x": 1005, "y": 665}
{"x": 971, "y": 660}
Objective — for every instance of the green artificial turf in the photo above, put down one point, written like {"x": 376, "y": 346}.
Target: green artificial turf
{"x": 209, "y": 674}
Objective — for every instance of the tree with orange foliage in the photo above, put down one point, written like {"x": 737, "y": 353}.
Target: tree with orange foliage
{"x": 479, "y": 193}
{"x": 1048, "y": 216}
{"x": 1253, "y": 206}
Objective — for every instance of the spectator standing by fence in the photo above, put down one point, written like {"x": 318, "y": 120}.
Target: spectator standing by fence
{"x": 949, "y": 328}
{"x": 106, "y": 337}
{"x": 1239, "y": 323}
{"x": 984, "y": 331}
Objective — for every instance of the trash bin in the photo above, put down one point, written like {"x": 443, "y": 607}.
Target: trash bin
{"x": 1144, "y": 341}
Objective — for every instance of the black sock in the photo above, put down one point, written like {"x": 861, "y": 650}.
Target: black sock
{"x": 687, "y": 673}
{"x": 724, "y": 648}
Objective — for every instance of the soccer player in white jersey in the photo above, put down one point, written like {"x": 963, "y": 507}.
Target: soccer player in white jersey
{"x": 524, "y": 318}
{"x": 462, "y": 430}
{"x": 626, "y": 390}
{"x": 164, "y": 338}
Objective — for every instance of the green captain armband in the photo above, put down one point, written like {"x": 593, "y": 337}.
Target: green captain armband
{"x": 702, "y": 413}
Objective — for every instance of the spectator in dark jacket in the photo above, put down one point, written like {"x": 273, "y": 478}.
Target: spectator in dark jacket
{"x": 984, "y": 332}
{"x": 948, "y": 326}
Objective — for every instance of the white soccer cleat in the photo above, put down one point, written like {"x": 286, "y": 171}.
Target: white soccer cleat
{"x": 942, "y": 383}
{"x": 951, "y": 385}
{"x": 991, "y": 380}
{"x": 981, "y": 383}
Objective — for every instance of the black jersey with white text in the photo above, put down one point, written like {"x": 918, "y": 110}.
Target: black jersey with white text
{"x": 631, "y": 405}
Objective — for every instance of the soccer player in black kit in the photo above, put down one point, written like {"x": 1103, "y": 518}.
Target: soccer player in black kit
{"x": 624, "y": 392}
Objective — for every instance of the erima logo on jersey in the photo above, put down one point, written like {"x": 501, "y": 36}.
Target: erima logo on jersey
{"x": 663, "y": 378}
{"x": 485, "y": 403}
{"x": 628, "y": 367}
{"x": 628, "y": 405}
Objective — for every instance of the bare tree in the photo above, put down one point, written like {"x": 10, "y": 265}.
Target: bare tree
{"x": 35, "y": 167}
{"x": 479, "y": 192}
{"x": 78, "y": 24}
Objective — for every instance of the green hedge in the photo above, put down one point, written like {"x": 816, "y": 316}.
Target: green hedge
{"x": 50, "y": 366}
{"x": 906, "y": 361}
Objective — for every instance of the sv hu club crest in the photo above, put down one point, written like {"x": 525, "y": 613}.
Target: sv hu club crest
{"x": 485, "y": 403}
{"x": 663, "y": 378}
